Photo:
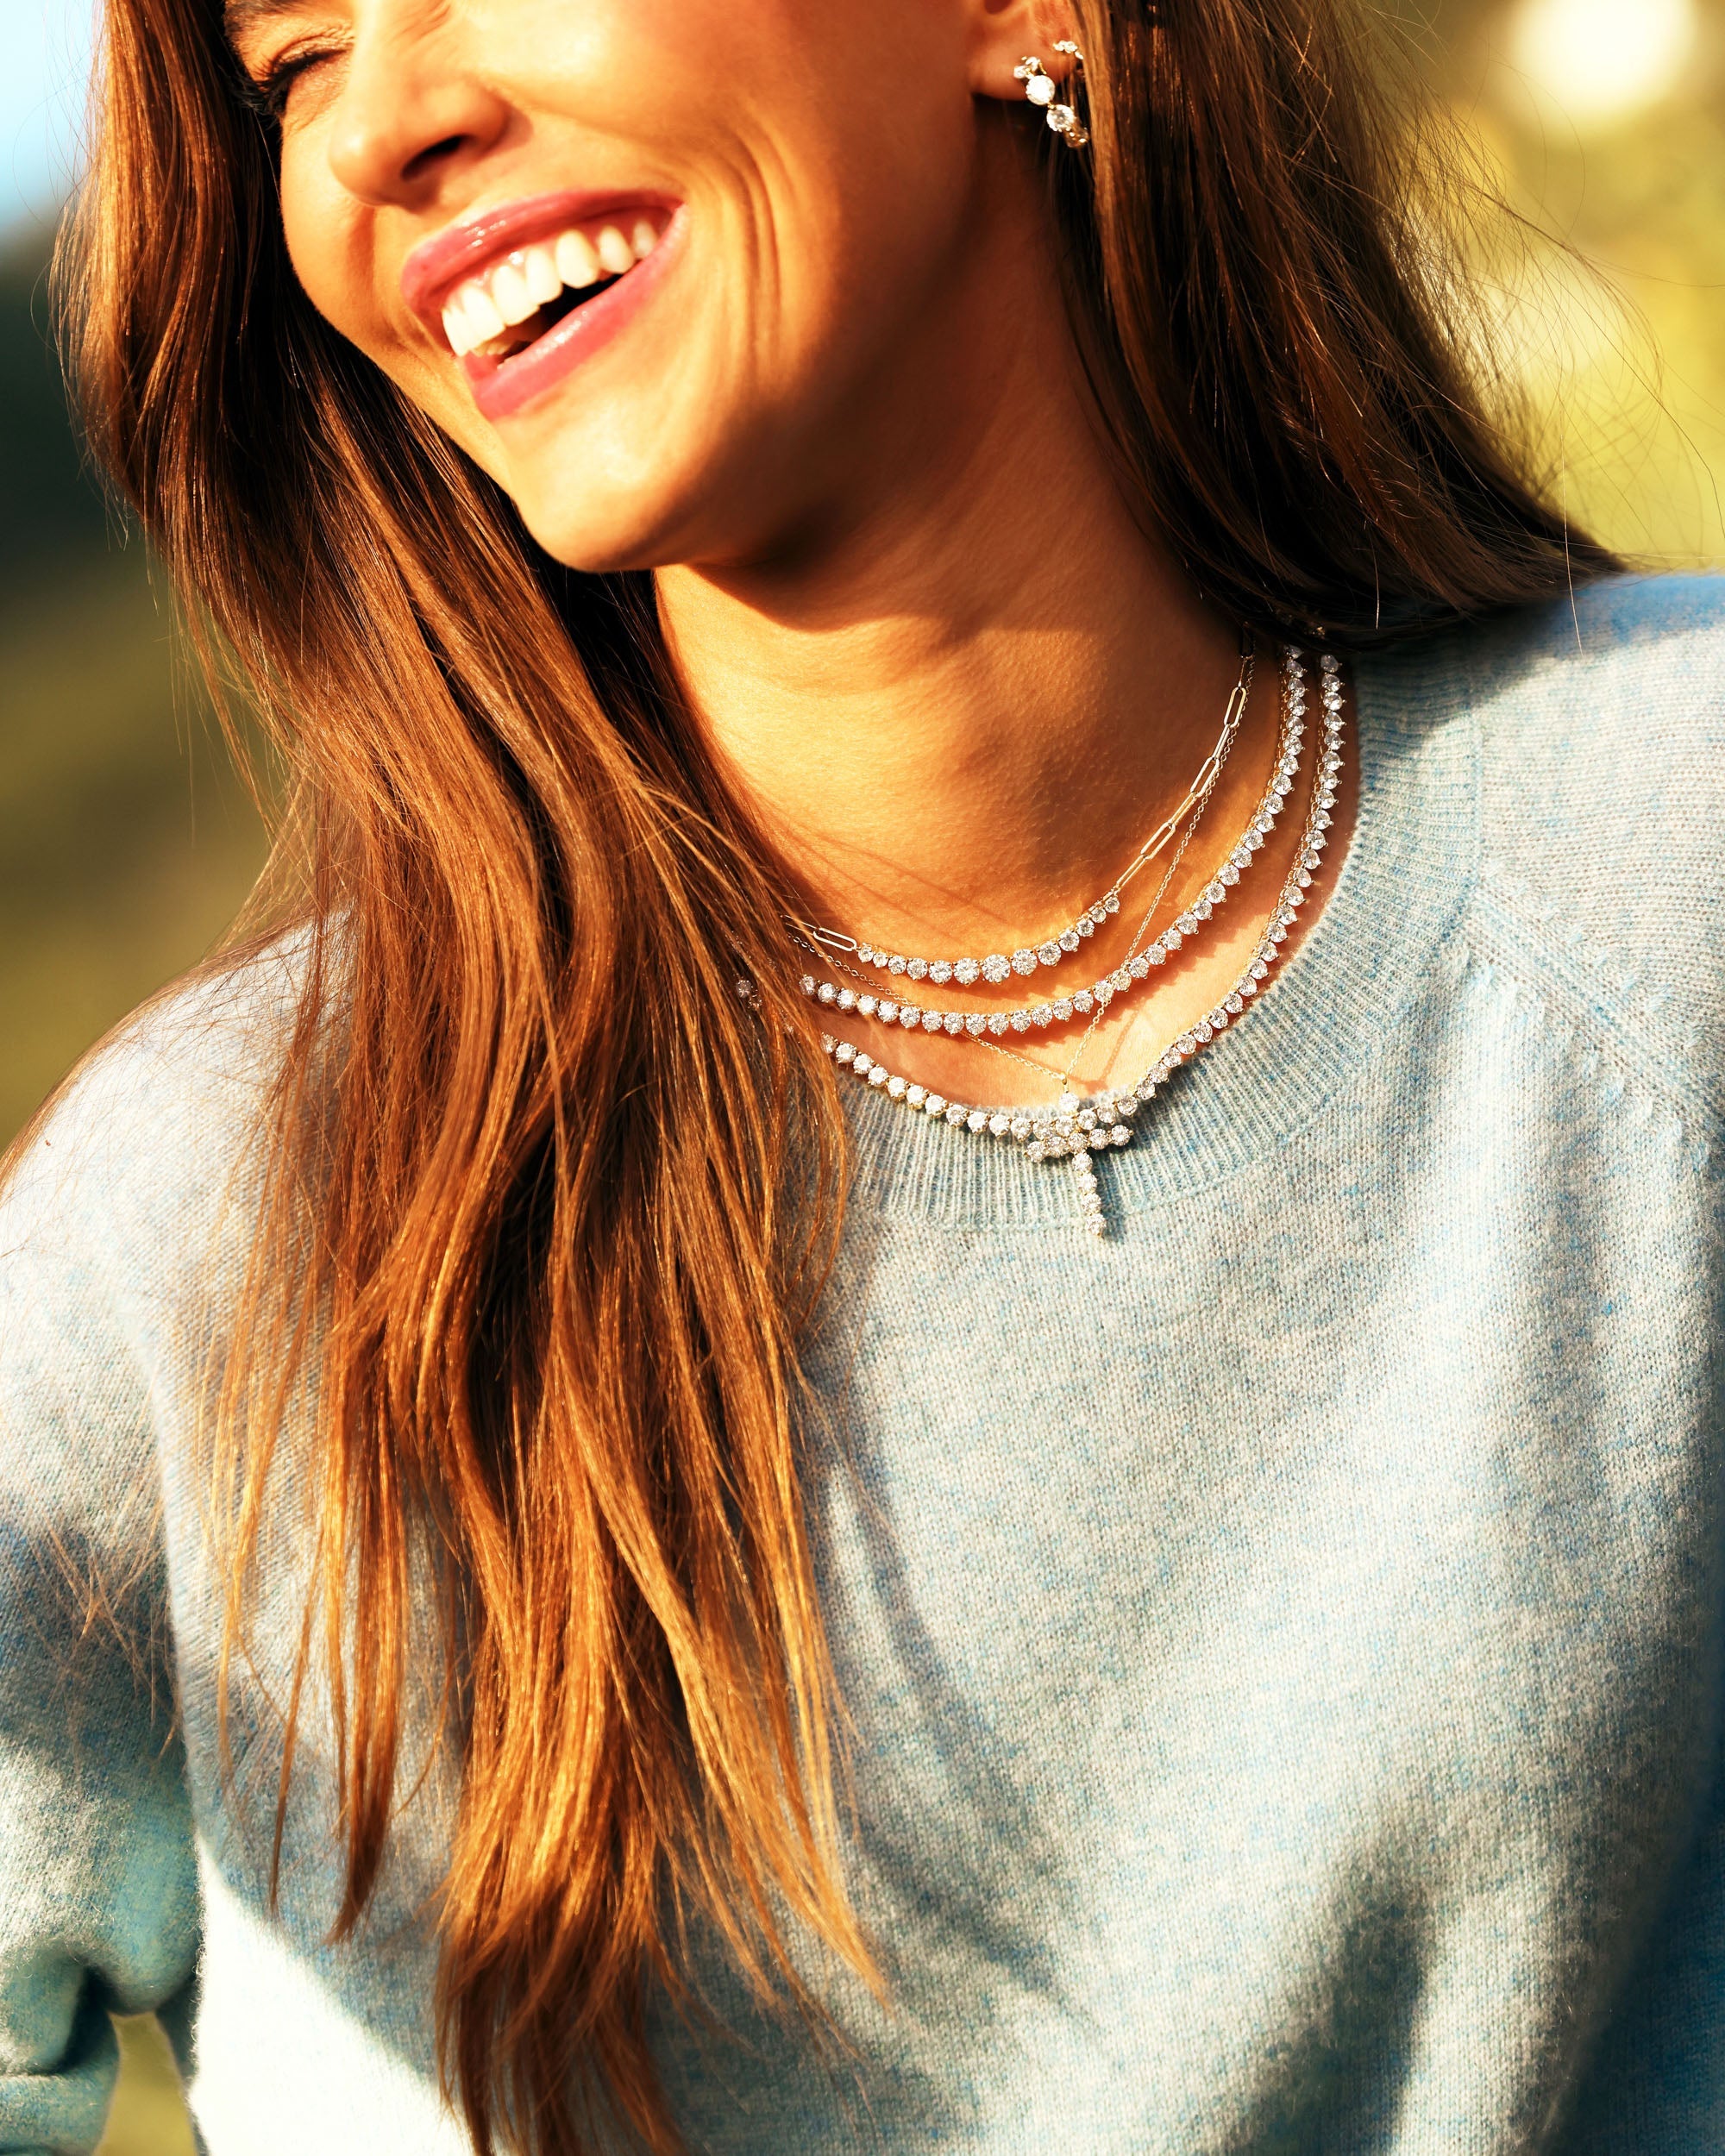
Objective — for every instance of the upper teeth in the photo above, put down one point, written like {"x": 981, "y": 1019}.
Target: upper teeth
{"x": 486, "y": 305}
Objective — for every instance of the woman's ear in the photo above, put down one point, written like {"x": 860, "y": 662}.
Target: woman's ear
{"x": 1005, "y": 33}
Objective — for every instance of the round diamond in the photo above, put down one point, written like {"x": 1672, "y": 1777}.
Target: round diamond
{"x": 1138, "y": 966}
{"x": 917, "y": 968}
{"x": 847, "y": 999}
{"x": 996, "y": 966}
{"x": 1019, "y": 1021}
{"x": 953, "y": 1021}
{"x": 976, "y": 1120}
{"x": 896, "y": 1087}
{"x": 867, "y": 1005}
{"x": 966, "y": 971}
{"x": 1043, "y": 1015}
{"x": 826, "y": 993}
{"x": 976, "y": 1024}
{"x": 930, "y": 1021}
{"x": 1088, "y": 1182}
{"x": 1039, "y": 88}
{"x": 1048, "y": 954}
{"x": 844, "y": 1051}
{"x": 940, "y": 971}
{"x": 877, "y": 1076}
{"x": 863, "y": 1064}
{"x": 1081, "y": 1161}
{"x": 1082, "y": 1002}
{"x": 1054, "y": 1148}
{"x": 1022, "y": 1127}
{"x": 1111, "y": 903}
{"x": 956, "y": 1116}
{"x": 1086, "y": 926}
{"x": 887, "y": 1010}
{"x": 915, "y": 1095}
{"x": 897, "y": 963}
{"x": 1024, "y": 962}
{"x": 909, "y": 1017}
{"x": 934, "y": 1104}
{"x": 1157, "y": 954}
{"x": 1070, "y": 940}
{"x": 997, "y": 1023}
{"x": 1033, "y": 1151}
{"x": 1119, "y": 1135}
{"x": 999, "y": 1125}
{"x": 1124, "y": 979}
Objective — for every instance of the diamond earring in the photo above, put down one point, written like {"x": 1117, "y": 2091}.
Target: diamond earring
{"x": 1042, "y": 91}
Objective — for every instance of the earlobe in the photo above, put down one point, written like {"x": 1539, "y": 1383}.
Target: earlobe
{"x": 1017, "y": 38}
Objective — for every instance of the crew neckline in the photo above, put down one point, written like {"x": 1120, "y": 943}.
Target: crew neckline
{"x": 1412, "y": 858}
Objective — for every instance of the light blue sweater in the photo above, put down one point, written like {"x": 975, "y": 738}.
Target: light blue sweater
{"x": 1283, "y": 1638}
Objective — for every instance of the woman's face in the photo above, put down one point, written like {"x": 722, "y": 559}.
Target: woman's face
{"x": 678, "y": 273}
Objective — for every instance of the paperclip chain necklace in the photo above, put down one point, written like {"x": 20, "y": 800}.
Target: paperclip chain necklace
{"x": 997, "y": 966}
{"x": 1139, "y": 963}
{"x": 1077, "y": 1129}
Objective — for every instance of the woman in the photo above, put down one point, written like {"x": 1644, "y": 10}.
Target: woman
{"x": 1145, "y": 1577}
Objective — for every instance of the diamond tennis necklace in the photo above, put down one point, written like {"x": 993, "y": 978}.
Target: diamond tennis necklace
{"x": 1076, "y": 1128}
{"x": 1139, "y": 964}
{"x": 997, "y": 966}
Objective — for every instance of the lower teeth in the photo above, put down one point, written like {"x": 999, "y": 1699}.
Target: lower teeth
{"x": 519, "y": 336}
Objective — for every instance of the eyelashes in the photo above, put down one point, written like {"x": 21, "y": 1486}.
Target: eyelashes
{"x": 266, "y": 93}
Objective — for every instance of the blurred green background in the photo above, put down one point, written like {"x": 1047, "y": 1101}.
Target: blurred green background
{"x": 126, "y": 843}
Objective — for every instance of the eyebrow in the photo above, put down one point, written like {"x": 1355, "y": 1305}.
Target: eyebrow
{"x": 240, "y": 15}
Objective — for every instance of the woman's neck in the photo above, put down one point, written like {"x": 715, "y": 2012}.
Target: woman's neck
{"x": 957, "y": 704}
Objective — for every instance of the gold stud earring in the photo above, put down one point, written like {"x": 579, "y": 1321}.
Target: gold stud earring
{"x": 1042, "y": 91}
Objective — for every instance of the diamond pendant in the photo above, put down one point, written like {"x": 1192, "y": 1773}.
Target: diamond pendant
{"x": 1077, "y": 1130}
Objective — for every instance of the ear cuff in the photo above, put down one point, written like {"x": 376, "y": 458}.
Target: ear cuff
{"x": 1043, "y": 92}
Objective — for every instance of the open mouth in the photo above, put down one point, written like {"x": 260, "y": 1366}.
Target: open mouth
{"x": 506, "y": 308}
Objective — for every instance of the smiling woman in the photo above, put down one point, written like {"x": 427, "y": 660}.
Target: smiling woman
{"x": 1116, "y": 1553}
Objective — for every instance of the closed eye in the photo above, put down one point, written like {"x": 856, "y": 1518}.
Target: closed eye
{"x": 267, "y": 89}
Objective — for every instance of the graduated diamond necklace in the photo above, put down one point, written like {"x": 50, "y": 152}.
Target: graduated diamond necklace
{"x": 1077, "y": 1128}
{"x": 997, "y": 967}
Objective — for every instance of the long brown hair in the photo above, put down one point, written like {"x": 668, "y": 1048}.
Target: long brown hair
{"x": 556, "y": 1259}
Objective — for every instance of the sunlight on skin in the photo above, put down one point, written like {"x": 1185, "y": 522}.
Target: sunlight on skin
{"x": 846, "y": 425}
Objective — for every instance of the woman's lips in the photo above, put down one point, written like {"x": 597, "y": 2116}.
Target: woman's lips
{"x": 479, "y": 242}
{"x": 502, "y": 387}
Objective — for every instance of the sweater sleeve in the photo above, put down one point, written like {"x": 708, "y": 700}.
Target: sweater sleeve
{"x": 98, "y": 1883}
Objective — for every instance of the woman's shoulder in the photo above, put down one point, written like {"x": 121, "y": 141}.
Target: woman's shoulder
{"x": 134, "y": 1167}
{"x": 1631, "y": 661}
{"x": 1600, "y": 725}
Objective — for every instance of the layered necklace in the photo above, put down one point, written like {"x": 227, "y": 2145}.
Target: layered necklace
{"x": 1077, "y": 1128}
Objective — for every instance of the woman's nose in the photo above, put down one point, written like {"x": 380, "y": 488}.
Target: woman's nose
{"x": 409, "y": 109}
